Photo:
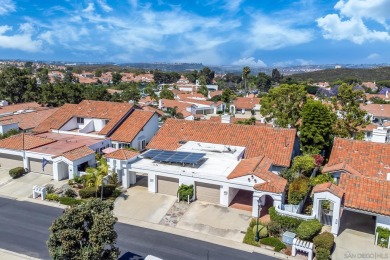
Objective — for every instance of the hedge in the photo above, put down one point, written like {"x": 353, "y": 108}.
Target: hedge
{"x": 383, "y": 234}
{"x": 308, "y": 229}
{"x": 52, "y": 196}
{"x": 16, "y": 172}
{"x": 108, "y": 190}
{"x": 297, "y": 190}
{"x": 88, "y": 192}
{"x": 185, "y": 191}
{"x": 70, "y": 201}
{"x": 273, "y": 241}
{"x": 322, "y": 254}
{"x": 287, "y": 223}
{"x": 324, "y": 240}
{"x": 249, "y": 237}
{"x": 263, "y": 231}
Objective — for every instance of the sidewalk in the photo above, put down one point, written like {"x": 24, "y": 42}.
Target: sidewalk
{"x": 9, "y": 255}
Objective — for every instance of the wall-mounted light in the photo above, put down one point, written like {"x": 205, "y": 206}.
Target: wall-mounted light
{"x": 255, "y": 181}
{"x": 151, "y": 180}
{"x": 249, "y": 179}
{"x": 225, "y": 193}
{"x": 253, "y": 176}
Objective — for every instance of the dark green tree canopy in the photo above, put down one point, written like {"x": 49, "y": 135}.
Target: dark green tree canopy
{"x": 203, "y": 90}
{"x": 85, "y": 231}
{"x": 167, "y": 94}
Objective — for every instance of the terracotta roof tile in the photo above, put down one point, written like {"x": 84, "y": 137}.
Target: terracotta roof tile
{"x": 378, "y": 110}
{"x": 24, "y": 141}
{"x": 368, "y": 194}
{"x": 17, "y": 107}
{"x": 78, "y": 153}
{"x": 330, "y": 187}
{"x": 246, "y": 103}
{"x": 216, "y": 93}
{"x": 28, "y": 120}
{"x": 367, "y": 158}
{"x": 274, "y": 143}
{"x": 122, "y": 154}
{"x": 152, "y": 109}
{"x": 112, "y": 111}
{"x": 130, "y": 128}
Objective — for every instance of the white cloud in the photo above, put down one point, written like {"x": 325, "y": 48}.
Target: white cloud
{"x": 373, "y": 56}
{"x": 90, "y": 8}
{"x": 104, "y": 5}
{"x": 266, "y": 34}
{"x": 233, "y": 5}
{"x": 251, "y": 62}
{"x": 350, "y": 24}
{"x": 22, "y": 41}
{"x": 7, "y": 6}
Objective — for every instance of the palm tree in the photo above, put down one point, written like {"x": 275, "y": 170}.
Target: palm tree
{"x": 245, "y": 72}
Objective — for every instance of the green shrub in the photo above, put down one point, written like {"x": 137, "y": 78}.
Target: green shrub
{"x": 249, "y": 237}
{"x": 52, "y": 196}
{"x": 383, "y": 236}
{"x": 297, "y": 190}
{"x": 322, "y": 178}
{"x": 273, "y": 241}
{"x": 263, "y": 230}
{"x": 16, "y": 172}
{"x": 324, "y": 240}
{"x": 309, "y": 229}
{"x": 50, "y": 188}
{"x": 88, "y": 192}
{"x": 116, "y": 193}
{"x": 286, "y": 223}
{"x": 108, "y": 190}
{"x": 70, "y": 193}
{"x": 322, "y": 254}
{"x": 185, "y": 191}
{"x": 70, "y": 201}
{"x": 274, "y": 229}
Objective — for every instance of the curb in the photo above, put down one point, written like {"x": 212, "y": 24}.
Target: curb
{"x": 7, "y": 252}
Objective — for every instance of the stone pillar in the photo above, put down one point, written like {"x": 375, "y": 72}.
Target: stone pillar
{"x": 336, "y": 217}
{"x": 26, "y": 163}
{"x": 56, "y": 171}
{"x": 125, "y": 178}
{"x": 224, "y": 196}
{"x": 152, "y": 182}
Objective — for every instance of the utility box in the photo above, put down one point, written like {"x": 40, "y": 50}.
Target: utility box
{"x": 288, "y": 237}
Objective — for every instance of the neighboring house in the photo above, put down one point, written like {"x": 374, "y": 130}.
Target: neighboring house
{"x": 191, "y": 107}
{"x": 242, "y": 104}
{"x": 223, "y": 161}
{"x": 378, "y": 130}
{"x": 92, "y": 124}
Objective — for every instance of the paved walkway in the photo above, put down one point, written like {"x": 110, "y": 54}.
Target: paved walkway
{"x": 9, "y": 255}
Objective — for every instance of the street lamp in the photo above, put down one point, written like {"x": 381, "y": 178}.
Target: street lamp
{"x": 257, "y": 237}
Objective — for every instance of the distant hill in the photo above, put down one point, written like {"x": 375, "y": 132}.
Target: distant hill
{"x": 373, "y": 74}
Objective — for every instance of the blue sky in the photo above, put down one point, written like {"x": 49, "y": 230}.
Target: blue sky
{"x": 257, "y": 33}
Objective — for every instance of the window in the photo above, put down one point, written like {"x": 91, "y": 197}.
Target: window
{"x": 124, "y": 145}
{"x": 142, "y": 145}
{"x": 80, "y": 120}
{"x": 106, "y": 122}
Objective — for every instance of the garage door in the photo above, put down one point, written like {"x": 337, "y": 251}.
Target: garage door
{"x": 10, "y": 161}
{"x": 36, "y": 166}
{"x": 167, "y": 185}
{"x": 207, "y": 192}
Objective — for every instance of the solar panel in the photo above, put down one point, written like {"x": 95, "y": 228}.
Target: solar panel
{"x": 174, "y": 156}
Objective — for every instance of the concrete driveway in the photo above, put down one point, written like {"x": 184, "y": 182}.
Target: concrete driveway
{"x": 211, "y": 219}
{"x": 142, "y": 205}
{"x": 22, "y": 187}
{"x": 357, "y": 238}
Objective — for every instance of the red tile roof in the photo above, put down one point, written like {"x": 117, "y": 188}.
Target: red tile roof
{"x": 378, "y": 110}
{"x": 367, "y": 194}
{"x": 132, "y": 125}
{"x": 112, "y": 111}
{"x": 152, "y": 109}
{"x": 17, "y": 107}
{"x": 24, "y": 141}
{"x": 274, "y": 143}
{"x": 28, "y": 120}
{"x": 195, "y": 96}
{"x": 330, "y": 187}
{"x": 122, "y": 154}
{"x": 367, "y": 158}
{"x": 78, "y": 153}
{"x": 216, "y": 93}
{"x": 246, "y": 103}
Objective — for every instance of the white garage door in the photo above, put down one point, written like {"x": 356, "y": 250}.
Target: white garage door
{"x": 36, "y": 166}
{"x": 167, "y": 185}
{"x": 10, "y": 161}
{"x": 207, "y": 192}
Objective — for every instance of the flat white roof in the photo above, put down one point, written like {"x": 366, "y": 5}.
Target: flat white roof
{"x": 220, "y": 161}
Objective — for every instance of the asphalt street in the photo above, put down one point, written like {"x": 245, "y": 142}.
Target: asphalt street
{"x": 24, "y": 228}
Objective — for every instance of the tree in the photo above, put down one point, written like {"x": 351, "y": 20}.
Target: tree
{"x": 98, "y": 73}
{"x": 43, "y": 76}
{"x": 132, "y": 93}
{"x": 226, "y": 93}
{"x": 167, "y": 94}
{"x": 116, "y": 78}
{"x": 203, "y": 90}
{"x": 276, "y": 77}
{"x": 69, "y": 78}
{"x": 284, "y": 105}
{"x": 264, "y": 82}
{"x": 245, "y": 73}
{"x": 14, "y": 83}
{"x": 208, "y": 75}
{"x": 303, "y": 164}
{"x": 316, "y": 128}
{"x": 85, "y": 232}
{"x": 349, "y": 114}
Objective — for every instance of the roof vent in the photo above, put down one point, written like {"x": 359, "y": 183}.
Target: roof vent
{"x": 182, "y": 142}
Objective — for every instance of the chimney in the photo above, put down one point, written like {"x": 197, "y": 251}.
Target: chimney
{"x": 225, "y": 119}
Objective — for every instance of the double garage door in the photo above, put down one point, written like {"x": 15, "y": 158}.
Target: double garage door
{"x": 36, "y": 166}
{"x": 10, "y": 161}
{"x": 207, "y": 192}
{"x": 166, "y": 185}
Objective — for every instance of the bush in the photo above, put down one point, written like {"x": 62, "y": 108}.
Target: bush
{"x": 108, "y": 190}
{"x": 273, "y": 241}
{"x": 88, "y": 192}
{"x": 383, "y": 236}
{"x": 249, "y": 237}
{"x": 70, "y": 193}
{"x": 324, "y": 240}
{"x": 185, "y": 191}
{"x": 50, "y": 188}
{"x": 287, "y": 223}
{"x": 263, "y": 231}
{"x": 322, "y": 254}
{"x": 16, "y": 172}
{"x": 322, "y": 178}
{"x": 116, "y": 193}
{"x": 53, "y": 196}
{"x": 274, "y": 229}
{"x": 297, "y": 190}
{"x": 309, "y": 229}
{"x": 70, "y": 201}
